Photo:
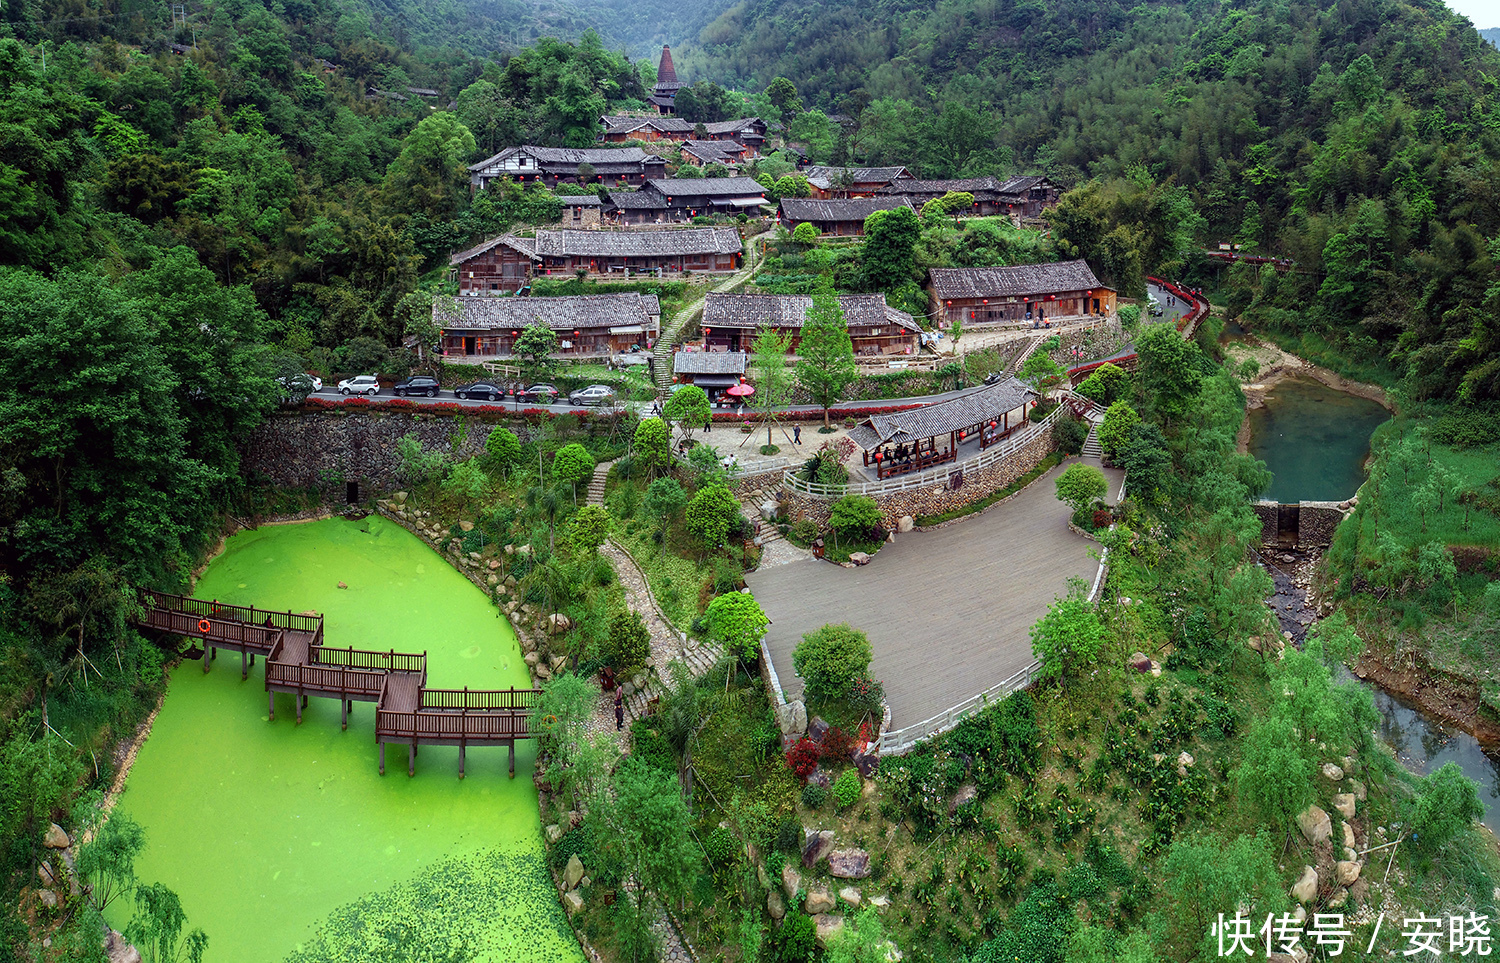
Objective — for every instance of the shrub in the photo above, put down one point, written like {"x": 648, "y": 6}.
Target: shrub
{"x": 831, "y": 658}
{"x": 629, "y": 641}
{"x": 653, "y": 440}
{"x": 789, "y": 835}
{"x": 805, "y": 233}
{"x": 1446, "y": 803}
{"x": 502, "y": 448}
{"x": 722, "y": 848}
{"x": 814, "y": 795}
{"x": 736, "y": 620}
{"x": 1103, "y": 518}
{"x": 796, "y": 939}
{"x": 710, "y": 514}
{"x": 1119, "y": 421}
{"x": 727, "y": 575}
{"x": 1080, "y": 486}
{"x": 854, "y": 516}
{"x": 1070, "y": 434}
{"x": 846, "y": 788}
{"x": 804, "y": 530}
{"x": 802, "y": 758}
{"x": 866, "y": 695}
{"x": 837, "y": 745}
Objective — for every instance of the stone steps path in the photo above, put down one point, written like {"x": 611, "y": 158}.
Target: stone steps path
{"x": 1091, "y": 446}
{"x": 662, "y": 351}
{"x": 1015, "y": 366}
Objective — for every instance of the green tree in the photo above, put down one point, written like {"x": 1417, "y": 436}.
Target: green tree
{"x": 1171, "y": 371}
{"x": 1203, "y": 874}
{"x": 792, "y": 185}
{"x": 535, "y": 347}
{"x": 629, "y": 641}
{"x": 825, "y": 365}
{"x": 156, "y": 928}
{"x": 1274, "y": 778}
{"x": 430, "y": 176}
{"x": 830, "y": 658}
{"x": 773, "y": 379}
{"x": 107, "y": 859}
{"x": 783, "y": 95}
{"x": 1446, "y": 804}
{"x": 1116, "y": 428}
{"x": 652, "y": 452}
{"x": 805, "y": 233}
{"x": 688, "y": 408}
{"x": 590, "y": 527}
{"x": 888, "y": 254}
{"x": 466, "y": 482}
{"x": 502, "y": 449}
{"x": 1040, "y": 371}
{"x": 1080, "y": 486}
{"x": 861, "y": 941}
{"x": 572, "y": 464}
{"x": 1106, "y": 384}
{"x": 736, "y": 620}
{"x": 1067, "y": 638}
{"x": 664, "y": 499}
{"x": 710, "y": 513}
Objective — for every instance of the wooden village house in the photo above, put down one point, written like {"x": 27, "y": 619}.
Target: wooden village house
{"x": 594, "y": 325}
{"x": 664, "y": 94}
{"x": 619, "y": 167}
{"x": 730, "y": 322}
{"x": 713, "y": 371}
{"x": 565, "y": 253}
{"x": 748, "y": 134}
{"x": 1023, "y": 295}
{"x": 1020, "y": 196}
{"x": 489, "y": 268}
{"x": 829, "y": 182}
{"x": 688, "y": 197}
{"x": 840, "y": 217}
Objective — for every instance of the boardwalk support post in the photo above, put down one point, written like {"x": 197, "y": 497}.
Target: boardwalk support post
{"x": 270, "y": 705}
{"x": 344, "y": 713}
{"x": 206, "y": 655}
{"x": 461, "y": 748}
{"x": 244, "y": 664}
{"x": 301, "y": 701}
{"x": 411, "y": 760}
{"x": 382, "y": 758}
{"x": 512, "y": 746}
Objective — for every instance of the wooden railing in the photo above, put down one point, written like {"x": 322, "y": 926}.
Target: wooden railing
{"x": 927, "y": 479}
{"x": 221, "y": 632}
{"x": 391, "y": 661}
{"x": 393, "y": 726}
{"x": 486, "y": 700}
{"x": 351, "y": 672}
{"x": 212, "y": 610}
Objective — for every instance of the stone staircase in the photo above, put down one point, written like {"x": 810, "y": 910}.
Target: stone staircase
{"x": 596, "y": 484}
{"x": 1091, "y": 446}
{"x": 1015, "y": 366}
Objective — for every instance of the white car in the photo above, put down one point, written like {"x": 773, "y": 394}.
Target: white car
{"x": 592, "y": 395}
{"x": 360, "y": 385}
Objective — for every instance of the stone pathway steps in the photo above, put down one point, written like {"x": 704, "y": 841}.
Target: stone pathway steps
{"x": 1091, "y": 446}
{"x": 596, "y": 484}
{"x": 672, "y": 330}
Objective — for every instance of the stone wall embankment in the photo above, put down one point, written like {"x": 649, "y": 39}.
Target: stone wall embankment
{"x": 1316, "y": 522}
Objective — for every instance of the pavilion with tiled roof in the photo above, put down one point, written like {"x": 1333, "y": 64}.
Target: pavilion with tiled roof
{"x": 907, "y": 441}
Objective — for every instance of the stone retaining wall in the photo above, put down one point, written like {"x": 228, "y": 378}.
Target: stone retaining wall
{"x": 937, "y": 498}
{"x": 1316, "y": 522}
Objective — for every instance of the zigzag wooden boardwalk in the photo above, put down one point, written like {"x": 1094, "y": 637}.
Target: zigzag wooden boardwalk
{"x": 297, "y": 662}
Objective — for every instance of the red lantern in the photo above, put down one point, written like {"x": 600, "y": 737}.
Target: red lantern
{"x": 962, "y": 435}
{"x": 993, "y": 423}
{"x": 878, "y": 456}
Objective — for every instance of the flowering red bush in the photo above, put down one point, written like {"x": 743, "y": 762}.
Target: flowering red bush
{"x": 733, "y": 418}
{"x": 803, "y": 757}
{"x": 1103, "y": 518}
{"x": 837, "y": 746}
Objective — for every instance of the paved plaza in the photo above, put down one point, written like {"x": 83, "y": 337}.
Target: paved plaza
{"x": 948, "y": 612}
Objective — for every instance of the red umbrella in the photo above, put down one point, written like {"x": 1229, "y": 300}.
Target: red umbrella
{"x": 740, "y": 391}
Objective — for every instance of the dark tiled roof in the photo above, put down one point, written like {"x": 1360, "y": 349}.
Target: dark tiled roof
{"x": 733, "y": 126}
{"x": 790, "y": 310}
{"x": 1017, "y": 185}
{"x": 706, "y": 187}
{"x": 858, "y": 175}
{"x": 560, "y": 314}
{"x": 854, "y": 209}
{"x": 708, "y": 362}
{"x": 666, "y": 72}
{"x": 636, "y": 201}
{"x": 571, "y": 156}
{"x": 580, "y": 200}
{"x": 980, "y": 405}
{"x": 1023, "y": 279}
{"x": 474, "y": 251}
{"x": 700, "y": 240}
{"x": 970, "y": 185}
{"x": 423, "y": 91}
{"x": 713, "y": 150}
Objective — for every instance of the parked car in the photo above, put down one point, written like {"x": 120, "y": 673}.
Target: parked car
{"x": 592, "y": 395}
{"x": 360, "y": 385}
{"x": 545, "y": 394}
{"x": 317, "y": 383}
{"x": 418, "y": 385}
{"x": 296, "y": 388}
{"x": 474, "y": 391}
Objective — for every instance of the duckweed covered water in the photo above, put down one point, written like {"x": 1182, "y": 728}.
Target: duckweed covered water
{"x": 284, "y": 841}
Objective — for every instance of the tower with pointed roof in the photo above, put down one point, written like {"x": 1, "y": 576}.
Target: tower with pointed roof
{"x": 664, "y": 96}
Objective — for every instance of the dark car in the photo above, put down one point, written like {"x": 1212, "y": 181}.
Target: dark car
{"x": 418, "y": 385}
{"x": 487, "y": 390}
{"x": 543, "y": 394}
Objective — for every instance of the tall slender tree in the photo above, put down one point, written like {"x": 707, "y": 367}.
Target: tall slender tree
{"x": 825, "y": 365}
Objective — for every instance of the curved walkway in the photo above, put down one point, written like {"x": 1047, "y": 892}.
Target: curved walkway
{"x": 948, "y": 612}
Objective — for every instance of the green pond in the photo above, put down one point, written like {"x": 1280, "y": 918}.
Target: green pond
{"x": 284, "y": 841}
{"x": 1314, "y": 440}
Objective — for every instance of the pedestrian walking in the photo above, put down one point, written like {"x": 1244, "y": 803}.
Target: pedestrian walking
{"x": 709, "y": 424}
{"x": 619, "y": 709}
{"x": 796, "y": 434}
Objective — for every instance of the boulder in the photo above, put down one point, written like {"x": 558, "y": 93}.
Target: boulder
{"x": 829, "y": 926}
{"x": 867, "y": 763}
{"x": 1339, "y": 898}
{"x": 56, "y": 838}
{"x": 1331, "y": 772}
{"x": 1306, "y": 886}
{"x": 1140, "y": 661}
{"x": 1348, "y": 836}
{"x": 48, "y": 898}
{"x": 46, "y": 875}
{"x": 819, "y": 900}
{"x": 859, "y": 558}
{"x": 492, "y": 580}
{"x": 531, "y": 659}
{"x": 791, "y": 881}
{"x": 117, "y": 949}
{"x": 775, "y": 905}
{"x": 880, "y": 902}
{"x": 815, "y": 845}
{"x": 558, "y": 661}
{"x": 573, "y": 872}
{"x": 817, "y": 729}
{"x": 398, "y": 497}
{"x": 572, "y": 901}
{"x": 1358, "y": 788}
{"x": 494, "y": 565}
{"x": 554, "y": 833}
{"x": 791, "y": 718}
{"x": 768, "y": 510}
{"x": 964, "y": 796}
{"x": 905, "y": 524}
{"x": 1346, "y": 872}
{"x": 851, "y": 896}
{"x": 1344, "y": 803}
{"x": 1315, "y": 825}
{"x": 1184, "y": 762}
{"x": 892, "y": 954}
{"x": 557, "y": 623}
{"x": 849, "y": 863}
{"x": 466, "y": 525}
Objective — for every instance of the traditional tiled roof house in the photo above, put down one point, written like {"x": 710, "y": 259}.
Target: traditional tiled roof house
{"x": 1023, "y": 295}
{"x": 709, "y": 370}
{"x": 829, "y": 182}
{"x": 695, "y": 196}
{"x": 730, "y": 322}
{"x": 707, "y": 249}
{"x": 595, "y": 324}
{"x": 841, "y": 217}
{"x": 748, "y": 132}
{"x": 553, "y": 165}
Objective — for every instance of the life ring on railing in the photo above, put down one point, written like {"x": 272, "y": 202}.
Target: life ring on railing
{"x": 205, "y": 626}
{"x": 548, "y": 721}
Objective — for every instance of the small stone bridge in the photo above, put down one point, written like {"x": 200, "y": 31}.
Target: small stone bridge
{"x": 298, "y": 663}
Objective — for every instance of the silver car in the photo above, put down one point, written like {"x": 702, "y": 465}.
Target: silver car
{"x": 360, "y": 385}
{"x": 592, "y": 395}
